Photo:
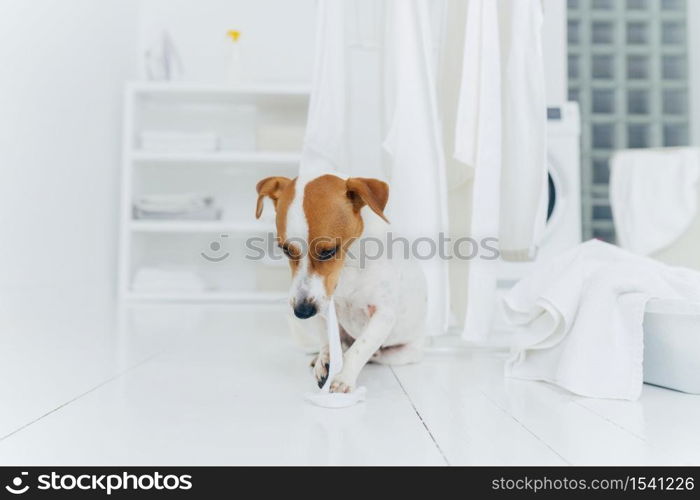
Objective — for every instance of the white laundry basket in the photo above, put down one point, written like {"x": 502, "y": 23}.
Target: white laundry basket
{"x": 672, "y": 345}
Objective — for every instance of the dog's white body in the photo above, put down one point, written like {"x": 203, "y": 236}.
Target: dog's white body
{"x": 380, "y": 303}
{"x": 395, "y": 286}
{"x": 380, "y": 298}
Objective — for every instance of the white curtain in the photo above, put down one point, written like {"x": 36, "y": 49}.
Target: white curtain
{"x": 373, "y": 112}
{"x": 501, "y": 135}
{"x": 325, "y": 145}
{"x": 414, "y": 144}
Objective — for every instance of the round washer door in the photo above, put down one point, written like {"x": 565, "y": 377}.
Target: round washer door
{"x": 556, "y": 189}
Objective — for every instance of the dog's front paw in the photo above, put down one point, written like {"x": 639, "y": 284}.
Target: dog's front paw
{"x": 342, "y": 384}
{"x": 321, "y": 365}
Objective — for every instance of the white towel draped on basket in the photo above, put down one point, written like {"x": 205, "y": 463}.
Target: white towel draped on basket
{"x": 579, "y": 318}
{"x": 653, "y": 196}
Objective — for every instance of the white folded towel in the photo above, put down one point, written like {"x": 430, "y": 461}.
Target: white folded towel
{"x": 173, "y": 203}
{"x": 186, "y": 206}
{"x": 180, "y": 142}
{"x": 653, "y": 196}
{"x": 154, "y": 279}
{"x": 579, "y": 318}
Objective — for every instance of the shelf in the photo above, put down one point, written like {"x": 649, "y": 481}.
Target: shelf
{"x": 212, "y": 296}
{"x": 186, "y": 106}
{"x": 263, "y": 95}
{"x": 219, "y": 157}
{"x": 285, "y": 89}
{"x": 176, "y": 226}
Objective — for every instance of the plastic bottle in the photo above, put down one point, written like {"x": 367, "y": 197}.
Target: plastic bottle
{"x": 233, "y": 65}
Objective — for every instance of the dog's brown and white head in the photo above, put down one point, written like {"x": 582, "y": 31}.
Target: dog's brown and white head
{"x": 317, "y": 219}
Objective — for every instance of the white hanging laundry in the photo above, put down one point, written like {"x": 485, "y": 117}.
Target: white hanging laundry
{"x": 501, "y": 134}
{"x": 478, "y": 145}
{"x": 417, "y": 200}
{"x": 324, "y": 150}
{"x": 653, "y": 196}
{"x": 524, "y": 193}
{"x": 478, "y": 126}
{"x": 324, "y": 147}
{"x": 418, "y": 197}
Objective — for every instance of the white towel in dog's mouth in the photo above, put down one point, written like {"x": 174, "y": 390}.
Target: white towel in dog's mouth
{"x": 324, "y": 397}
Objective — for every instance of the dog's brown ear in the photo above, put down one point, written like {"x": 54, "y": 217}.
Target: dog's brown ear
{"x": 271, "y": 187}
{"x": 371, "y": 192}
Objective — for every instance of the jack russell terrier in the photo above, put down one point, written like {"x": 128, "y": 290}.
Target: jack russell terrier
{"x": 381, "y": 305}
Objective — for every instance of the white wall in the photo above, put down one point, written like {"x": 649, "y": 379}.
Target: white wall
{"x": 277, "y": 36}
{"x": 63, "y": 67}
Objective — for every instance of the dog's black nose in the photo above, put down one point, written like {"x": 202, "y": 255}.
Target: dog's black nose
{"x": 305, "y": 309}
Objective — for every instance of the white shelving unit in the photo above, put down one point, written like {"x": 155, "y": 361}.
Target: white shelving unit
{"x": 168, "y": 226}
{"x": 249, "y": 158}
{"x": 228, "y": 174}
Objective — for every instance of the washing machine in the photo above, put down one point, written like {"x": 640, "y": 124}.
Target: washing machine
{"x": 563, "y": 228}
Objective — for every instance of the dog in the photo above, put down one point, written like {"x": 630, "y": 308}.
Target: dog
{"x": 323, "y": 222}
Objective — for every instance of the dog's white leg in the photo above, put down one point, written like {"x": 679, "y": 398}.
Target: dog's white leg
{"x": 366, "y": 344}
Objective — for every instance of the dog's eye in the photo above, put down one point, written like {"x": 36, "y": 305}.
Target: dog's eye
{"x": 287, "y": 252}
{"x": 327, "y": 254}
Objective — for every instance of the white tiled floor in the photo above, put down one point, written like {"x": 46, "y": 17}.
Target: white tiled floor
{"x": 83, "y": 383}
